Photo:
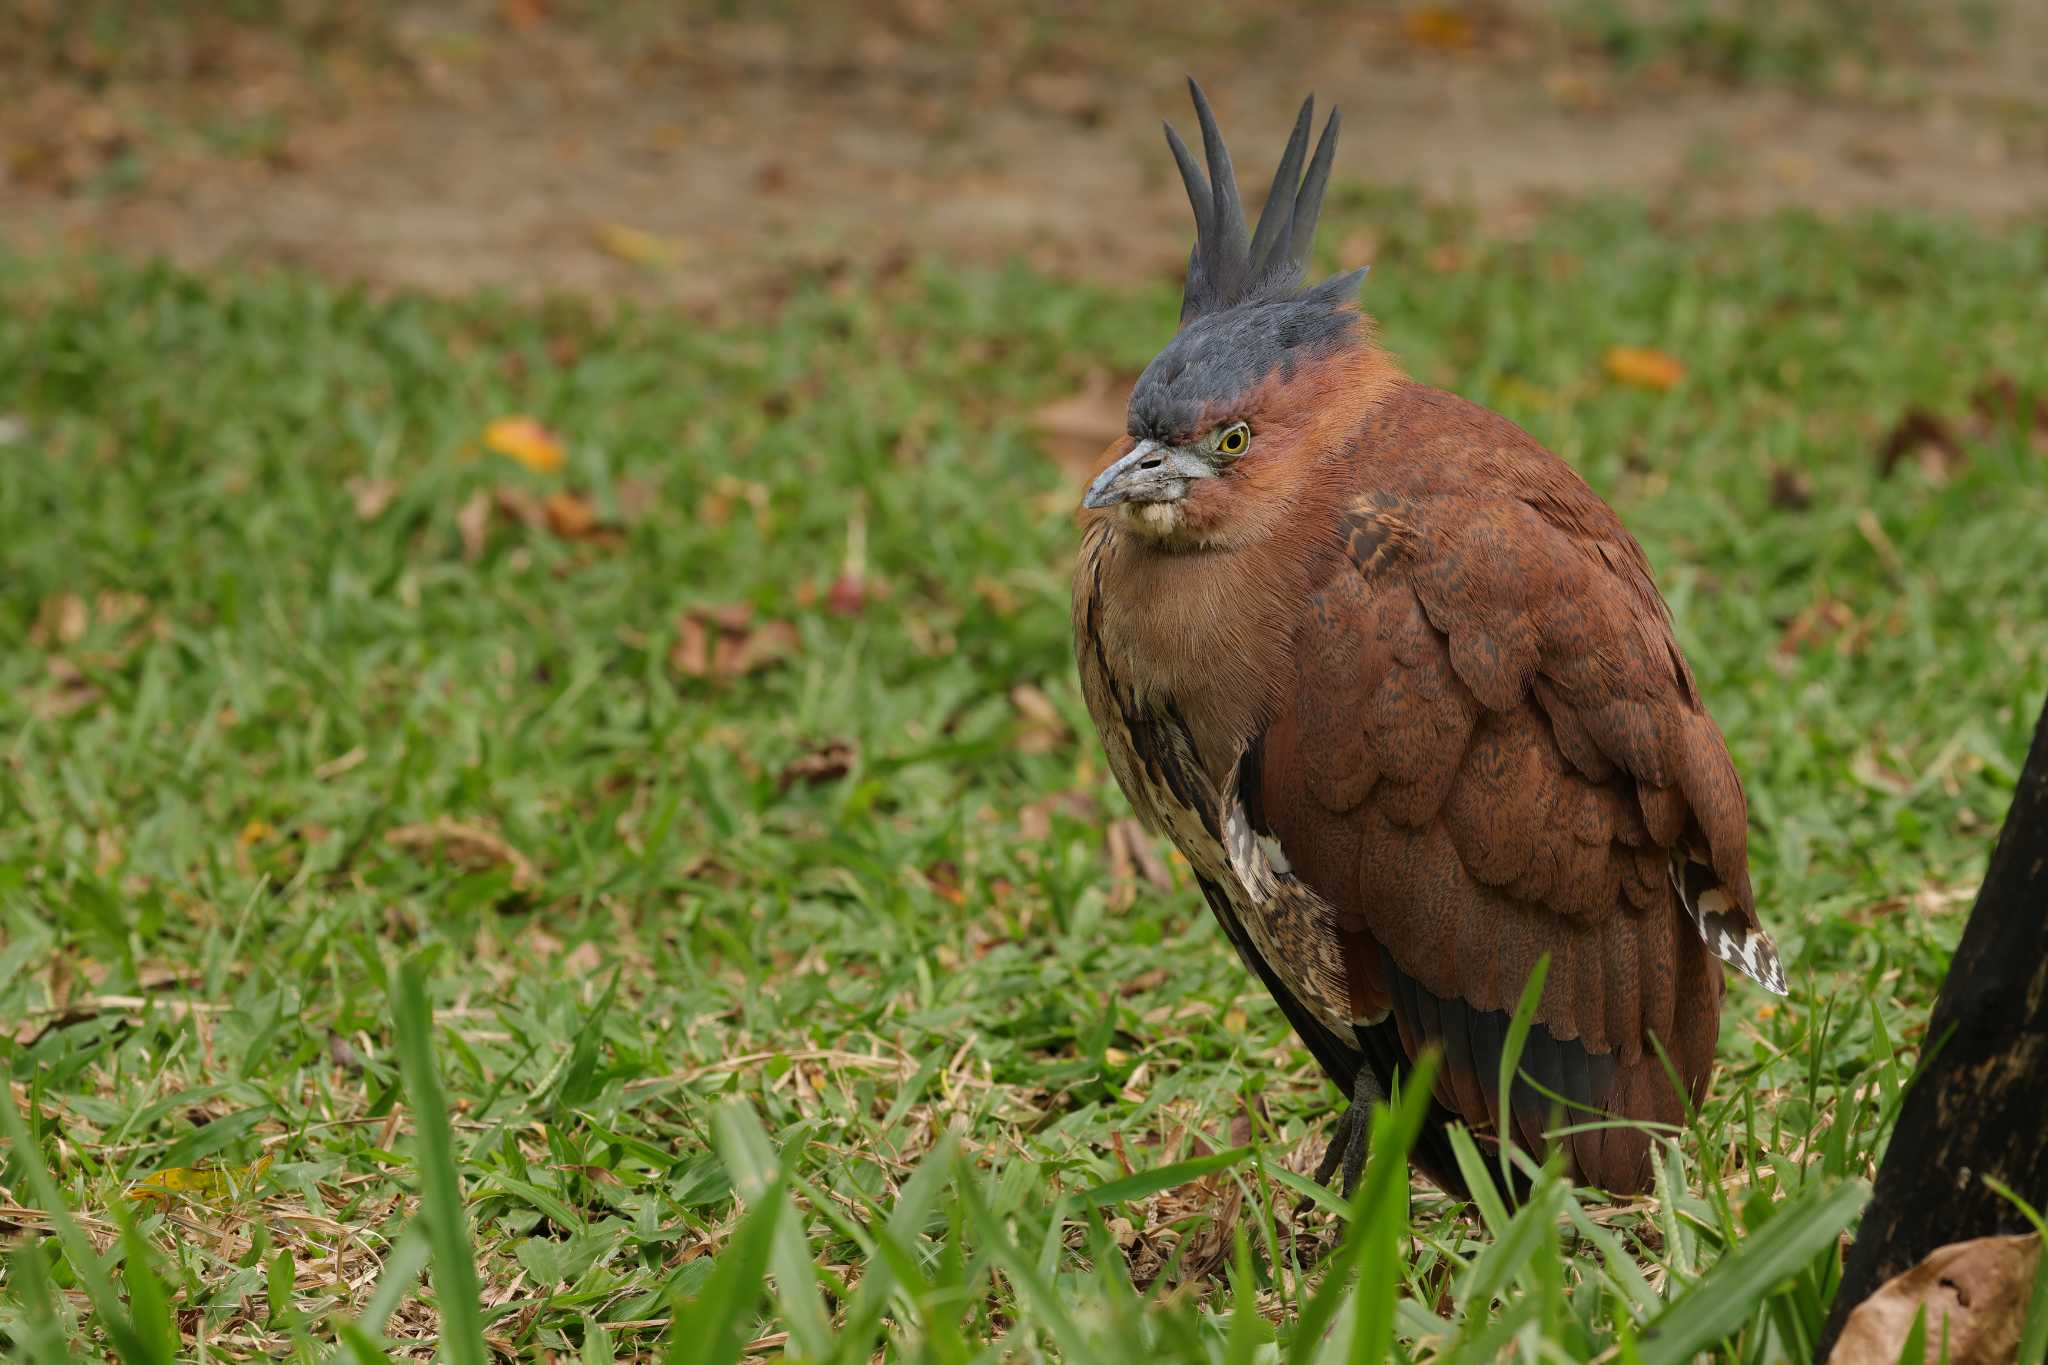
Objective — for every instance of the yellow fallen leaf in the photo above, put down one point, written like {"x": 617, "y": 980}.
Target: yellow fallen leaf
{"x": 255, "y": 832}
{"x": 525, "y": 440}
{"x": 1645, "y": 367}
{"x": 1438, "y": 26}
{"x": 199, "y": 1182}
{"x": 637, "y": 245}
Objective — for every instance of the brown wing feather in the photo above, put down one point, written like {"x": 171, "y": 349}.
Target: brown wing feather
{"x": 1495, "y": 750}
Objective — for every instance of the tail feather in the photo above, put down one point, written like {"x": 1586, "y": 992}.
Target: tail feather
{"x": 1729, "y": 934}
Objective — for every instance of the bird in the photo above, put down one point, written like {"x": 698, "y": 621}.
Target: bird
{"x": 1400, "y": 687}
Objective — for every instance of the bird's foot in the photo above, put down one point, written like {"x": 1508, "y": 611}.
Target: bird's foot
{"x": 1350, "y": 1138}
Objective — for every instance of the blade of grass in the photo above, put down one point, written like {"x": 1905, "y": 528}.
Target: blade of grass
{"x": 1139, "y": 1184}
{"x": 711, "y": 1329}
{"x": 441, "y": 1206}
{"x": 744, "y": 1147}
{"x": 41, "y": 1337}
{"x": 1724, "y": 1298}
{"x": 1377, "y": 1198}
{"x": 1511, "y": 1055}
{"x": 129, "y": 1344}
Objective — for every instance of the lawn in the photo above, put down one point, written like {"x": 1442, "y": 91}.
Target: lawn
{"x": 700, "y": 800}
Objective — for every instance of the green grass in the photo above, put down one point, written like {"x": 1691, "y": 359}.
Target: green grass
{"x": 957, "y": 1073}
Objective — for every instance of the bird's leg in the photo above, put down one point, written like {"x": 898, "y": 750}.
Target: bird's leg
{"x": 1350, "y": 1138}
{"x": 1340, "y": 1138}
{"x": 1365, "y": 1093}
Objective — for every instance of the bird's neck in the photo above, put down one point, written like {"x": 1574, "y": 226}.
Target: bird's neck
{"x": 1204, "y": 634}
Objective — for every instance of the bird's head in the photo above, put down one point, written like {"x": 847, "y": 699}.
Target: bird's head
{"x": 1229, "y": 416}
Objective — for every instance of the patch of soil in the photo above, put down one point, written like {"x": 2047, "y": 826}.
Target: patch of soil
{"x": 701, "y": 162}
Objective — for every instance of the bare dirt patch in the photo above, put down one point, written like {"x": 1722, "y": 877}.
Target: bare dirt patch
{"x": 457, "y": 147}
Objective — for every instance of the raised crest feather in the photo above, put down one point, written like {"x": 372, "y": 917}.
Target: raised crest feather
{"x": 1227, "y": 265}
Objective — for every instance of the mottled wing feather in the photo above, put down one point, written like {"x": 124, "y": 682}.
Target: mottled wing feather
{"x": 1496, "y": 751}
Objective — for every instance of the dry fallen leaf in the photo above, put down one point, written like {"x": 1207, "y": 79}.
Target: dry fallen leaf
{"x": 522, "y": 15}
{"x": 826, "y": 762}
{"x": 1439, "y": 27}
{"x": 570, "y": 515}
{"x": 1066, "y": 93}
{"x": 1645, "y": 367}
{"x": 473, "y": 524}
{"x": 636, "y": 245}
{"x": 527, "y": 441}
{"x": 1034, "y": 822}
{"x": 726, "y": 642}
{"x": 1791, "y": 489}
{"x": 519, "y": 506}
{"x": 1930, "y": 441}
{"x": 1040, "y": 727}
{"x": 372, "y": 496}
{"x": 464, "y": 845}
{"x": 70, "y": 691}
{"x": 1822, "y": 622}
{"x": 635, "y": 498}
{"x": 60, "y": 620}
{"x": 1975, "y": 1295}
{"x": 1077, "y": 429}
{"x": 943, "y": 879}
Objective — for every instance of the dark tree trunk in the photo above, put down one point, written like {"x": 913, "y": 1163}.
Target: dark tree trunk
{"x": 1979, "y": 1106}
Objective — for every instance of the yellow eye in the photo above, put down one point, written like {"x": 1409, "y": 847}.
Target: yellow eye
{"x": 1235, "y": 440}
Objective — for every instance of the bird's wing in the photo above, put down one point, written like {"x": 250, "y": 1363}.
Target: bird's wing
{"x": 1495, "y": 751}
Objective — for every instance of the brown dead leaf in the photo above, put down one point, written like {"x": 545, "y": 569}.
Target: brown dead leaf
{"x": 1068, "y": 94}
{"x": 69, "y": 692}
{"x": 1078, "y": 429}
{"x": 520, "y": 507}
{"x": 526, "y": 441}
{"x": 1929, "y": 440}
{"x": 1825, "y": 621}
{"x": 1034, "y": 822}
{"x": 1184, "y": 1233}
{"x": 468, "y": 846}
{"x": 1040, "y": 728}
{"x": 943, "y": 878}
{"x": 636, "y": 498}
{"x": 847, "y": 596}
{"x": 570, "y": 515}
{"x": 1581, "y": 91}
{"x": 1132, "y": 855}
{"x": 372, "y": 496}
{"x": 60, "y": 620}
{"x": 1791, "y": 489}
{"x": 1146, "y": 855}
{"x": 823, "y": 763}
{"x": 1975, "y": 1296}
{"x": 473, "y": 524}
{"x": 997, "y": 595}
{"x": 1998, "y": 400}
{"x": 522, "y": 16}
{"x": 1643, "y": 367}
{"x": 725, "y": 642}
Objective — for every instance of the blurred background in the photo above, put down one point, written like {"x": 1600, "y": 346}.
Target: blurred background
{"x": 696, "y": 152}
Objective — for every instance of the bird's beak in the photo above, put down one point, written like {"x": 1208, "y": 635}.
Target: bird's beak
{"x": 1150, "y": 473}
